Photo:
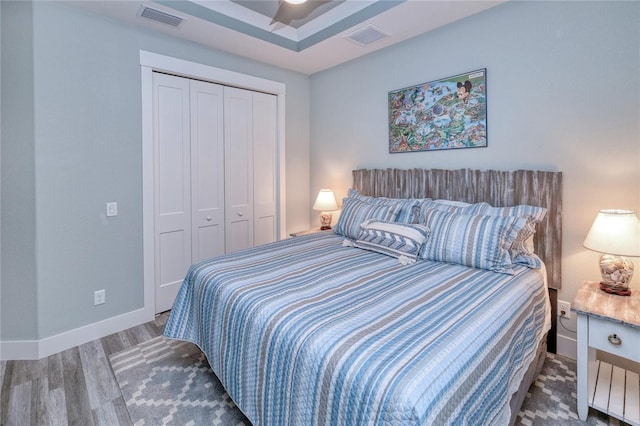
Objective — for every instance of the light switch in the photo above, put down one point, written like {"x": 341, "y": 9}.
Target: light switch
{"x": 112, "y": 209}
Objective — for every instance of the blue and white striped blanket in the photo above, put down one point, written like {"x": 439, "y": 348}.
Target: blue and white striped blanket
{"x": 307, "y": 332}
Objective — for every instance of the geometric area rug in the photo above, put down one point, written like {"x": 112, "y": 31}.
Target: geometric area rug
{"x": 551, "y": 399}
{"x": 169, "y": 382}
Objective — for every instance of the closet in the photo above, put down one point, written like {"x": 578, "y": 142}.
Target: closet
{"x": 215, "y": 171}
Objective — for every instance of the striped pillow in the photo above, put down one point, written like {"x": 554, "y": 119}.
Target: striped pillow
{"x": 355, "y": 212}
{"x": 407, "y": 208}
{"x": 399, "y": 240}
{"x": 451, "y": 207}
{"x": 522, "y": 248}
{"x": 479, "y": 241}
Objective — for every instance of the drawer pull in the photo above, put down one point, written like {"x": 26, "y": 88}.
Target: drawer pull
{"x": 615, "y": 340}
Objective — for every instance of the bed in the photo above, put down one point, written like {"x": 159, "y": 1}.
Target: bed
{"x": 345, "y": 328}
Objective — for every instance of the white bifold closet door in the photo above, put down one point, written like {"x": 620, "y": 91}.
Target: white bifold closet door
{"x": 215, "y": 175}
{"x": 250, "y": 138}
{"x": 238, "y": 158}
{"x": 265, "y": 168}
{"x": 207, "y": 170}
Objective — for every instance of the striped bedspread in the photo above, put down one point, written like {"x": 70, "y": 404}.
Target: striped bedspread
{"x": 307, "y": 332}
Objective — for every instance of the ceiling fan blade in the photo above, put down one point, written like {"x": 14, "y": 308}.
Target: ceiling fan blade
{"x": 288, "y": 12}
{"x": 282, "y": 15}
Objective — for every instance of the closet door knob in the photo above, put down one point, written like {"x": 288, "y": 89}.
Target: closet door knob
{"x": 239, "y": 213}
{"x": 208, "y": 218}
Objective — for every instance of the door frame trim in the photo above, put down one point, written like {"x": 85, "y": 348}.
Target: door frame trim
{"x": 150, "y": 62}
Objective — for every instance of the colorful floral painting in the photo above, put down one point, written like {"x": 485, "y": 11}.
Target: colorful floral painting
{"x": 444, "y": 114}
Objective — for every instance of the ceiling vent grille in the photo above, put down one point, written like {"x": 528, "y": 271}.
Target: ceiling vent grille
{"x": 366, "y": 35}
{"x": 160, "y": 16}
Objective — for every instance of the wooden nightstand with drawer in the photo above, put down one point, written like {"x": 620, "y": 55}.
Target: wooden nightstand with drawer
{"x": 608, "y": 323}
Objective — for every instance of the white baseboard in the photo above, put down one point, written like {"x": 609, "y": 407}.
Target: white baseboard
{"x": 38, "y": 349}
{"x": 566, "y": 346}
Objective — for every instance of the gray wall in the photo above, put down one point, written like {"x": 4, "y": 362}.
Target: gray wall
{"x": 73, "y": 143}
{"x": 563, "y": 82}
{"x": 18, "y": 292}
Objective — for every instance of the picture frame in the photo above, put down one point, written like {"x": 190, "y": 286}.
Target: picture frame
{"x": 450, "y": 113}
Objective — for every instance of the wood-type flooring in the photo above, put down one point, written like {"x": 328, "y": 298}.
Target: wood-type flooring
{"x": 73, "y": 387}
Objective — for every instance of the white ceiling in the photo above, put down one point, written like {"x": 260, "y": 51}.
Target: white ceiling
{"x": 309, "y": 44}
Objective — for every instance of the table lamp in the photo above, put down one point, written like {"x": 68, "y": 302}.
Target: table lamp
{"x": 616, "y": 234}
{"x": 325, "y": 202}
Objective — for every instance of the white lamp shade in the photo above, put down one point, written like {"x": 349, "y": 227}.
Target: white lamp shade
{"x": 325, "y": 201}
{"x": 295, "y": 1}
{"x": 615, "y": 232}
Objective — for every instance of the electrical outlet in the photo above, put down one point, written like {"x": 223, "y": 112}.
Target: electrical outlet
{"x": 564, "y": 307}
{"x": 99, "y": 297}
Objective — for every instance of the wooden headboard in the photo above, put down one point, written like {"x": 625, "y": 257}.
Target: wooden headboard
{"x": 498, "y": 188}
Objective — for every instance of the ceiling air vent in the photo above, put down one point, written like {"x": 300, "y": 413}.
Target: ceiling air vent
{"x": 159, "y": 16}
{"x": 366, "y": 35}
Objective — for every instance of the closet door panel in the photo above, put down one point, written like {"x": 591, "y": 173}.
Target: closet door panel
{"x": 238, "y": 153}
{"x": 172, "y": 186}
{"x": 171, "y": 268}
{"x": 207, "y": 170}
{"x": 265, "y": 151}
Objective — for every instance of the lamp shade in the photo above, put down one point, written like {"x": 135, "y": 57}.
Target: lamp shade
{"x": 325, "y": 201}
{"x": 615, "y": 232}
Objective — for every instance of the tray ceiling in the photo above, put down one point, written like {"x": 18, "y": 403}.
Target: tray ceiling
{"x": 307, "y": 38}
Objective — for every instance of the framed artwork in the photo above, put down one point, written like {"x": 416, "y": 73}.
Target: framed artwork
{"x": 449, "y": 113}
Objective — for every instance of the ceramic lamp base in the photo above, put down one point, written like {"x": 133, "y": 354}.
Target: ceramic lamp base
{"x": 616, "y": 272}
{"x": 325, "y": 220}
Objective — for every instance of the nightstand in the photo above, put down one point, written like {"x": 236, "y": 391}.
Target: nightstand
{"x": 308, "y": 231}
{"x": 608, "y": 323}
